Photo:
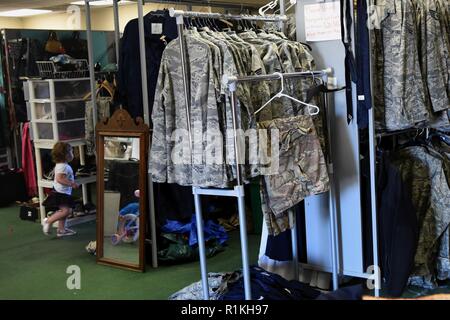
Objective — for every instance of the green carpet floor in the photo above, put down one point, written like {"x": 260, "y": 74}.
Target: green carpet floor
{"x": 33, "y": 266}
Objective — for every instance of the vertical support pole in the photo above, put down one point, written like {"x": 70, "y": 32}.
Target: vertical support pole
{"x": 293, "y": 223}
{"x": 116, "y": 29}
{"x": 145, "y": 103}
{"x": 14, "y": 132}
{"x": 146, "y": 109}
{"x": 201, "y": 243}
{"x": 373, "y": 170}
{"x": 373, "y": 199}
{"x": 240, "y": 195}
{"x": 84, "y": 187}
{"x": 197, "y": 200}
{"x": 332, "y": 197}
{"x": 282, "y": 12}
{"x": 37, "y": 152}
{"x": 91, "y": 61}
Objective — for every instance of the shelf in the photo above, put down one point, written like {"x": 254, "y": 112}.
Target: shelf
{"x": 57, "y": 121}
{"x": 48, "y": 144}
{"x": 56, "y": 100}
{"x": 84, "y": 180}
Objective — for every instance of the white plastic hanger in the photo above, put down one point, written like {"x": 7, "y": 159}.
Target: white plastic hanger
{"x": 281, "y": 94}
{"x": 292, "y": 4}
{"x": 271, "y": 5}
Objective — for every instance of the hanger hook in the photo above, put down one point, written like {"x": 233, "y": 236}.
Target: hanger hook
{"x": 279, "y": 74}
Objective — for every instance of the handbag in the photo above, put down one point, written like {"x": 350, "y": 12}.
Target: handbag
{"x": 29, "y": 212}
{"x": 53, "y": 45}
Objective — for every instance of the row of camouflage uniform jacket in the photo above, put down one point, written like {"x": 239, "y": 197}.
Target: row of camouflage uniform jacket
{"x": 411, "y": 63}
{"x": 210, "y": 55}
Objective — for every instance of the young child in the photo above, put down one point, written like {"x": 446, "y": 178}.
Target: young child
{"x": 61, "y": 197}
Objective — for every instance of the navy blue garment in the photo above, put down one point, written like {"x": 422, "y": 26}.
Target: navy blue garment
{"x": 350, "y": 64}
{"x": 280, "y": 247}
{"x": 363, "y": 64}
{"x": 269, "y": 286}
{"x": 156, "y": 25}
{"x": 399, "y": 229}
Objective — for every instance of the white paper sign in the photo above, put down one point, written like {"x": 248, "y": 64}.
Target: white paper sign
{"x": 323, "y": 21}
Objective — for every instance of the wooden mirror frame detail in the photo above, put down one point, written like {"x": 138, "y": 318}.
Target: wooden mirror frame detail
{"x": 122, "y": 125}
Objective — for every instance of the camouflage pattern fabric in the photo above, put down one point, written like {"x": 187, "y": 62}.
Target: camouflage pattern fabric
{"x": 302, "y": 170}
{"x": 425, "y": 173}
{"x": 434, "y": 54}
{"x": 169, "y": 114}
{"x": 411, "y": 55}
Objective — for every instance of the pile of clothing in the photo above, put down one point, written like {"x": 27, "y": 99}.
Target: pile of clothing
{"x": 265, "y": 286}
{"x": 179, "y": 242}
{"x": 412, "y": 63}
{"x": 414, "y": 209}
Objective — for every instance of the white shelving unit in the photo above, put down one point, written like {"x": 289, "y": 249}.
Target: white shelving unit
{"x": 57, "y": 108}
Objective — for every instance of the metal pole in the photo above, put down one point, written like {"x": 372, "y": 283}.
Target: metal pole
{"x": 197, "y": 200}
{"x": 282, "y": 12}
{"x": 373, "y": 199}
{"x": 373, "y": 191}
{"x": 142, "y": 56}
{"x": 178, "y": 13}
{"x": 241, "y": 203}
{"x": 293, "y": 218}
{"x": 91, "y": 61}
{"x": 332, "y": 196}
{"x": 146, "y": 110}
{"x": 201, "y": 244}
{"x": 116, "y": 29}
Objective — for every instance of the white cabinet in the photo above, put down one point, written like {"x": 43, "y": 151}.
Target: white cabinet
{"x": 57, "y": 110}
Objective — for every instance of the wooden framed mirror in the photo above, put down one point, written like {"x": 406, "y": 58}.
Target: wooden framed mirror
{"x": 122, "y": 151}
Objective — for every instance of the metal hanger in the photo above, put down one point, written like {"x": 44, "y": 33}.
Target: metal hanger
{"x": 281, "y": 94}
{"x": 271, "y": 5}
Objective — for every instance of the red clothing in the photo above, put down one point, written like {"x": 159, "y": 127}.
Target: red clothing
{"x": 28, "y": 161}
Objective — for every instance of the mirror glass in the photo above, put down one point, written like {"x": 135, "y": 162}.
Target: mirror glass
{"x": 121, "y": 199}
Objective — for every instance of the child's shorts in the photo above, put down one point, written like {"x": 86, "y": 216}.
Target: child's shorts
{"x": 56, "y": 200}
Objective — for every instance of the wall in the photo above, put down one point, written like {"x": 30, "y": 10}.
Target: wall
{"x": 345, "y": 147}
{"x": 102, "y": 18}
{"x": 14, "y": 23}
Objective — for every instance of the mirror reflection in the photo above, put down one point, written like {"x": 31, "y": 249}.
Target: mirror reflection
{"x": 121, "y": 199}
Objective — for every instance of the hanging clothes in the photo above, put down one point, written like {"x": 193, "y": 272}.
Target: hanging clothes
{"x": 425, "y": 171}
{"x": 210, "y": 55}
{"x": 411, "y": 55}
{"x": 28, "y": 161}
{"x": 159, "y": 29}
{"x": 103, "y": 112}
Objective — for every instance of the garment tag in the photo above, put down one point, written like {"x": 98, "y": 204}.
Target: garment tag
{"x": 361, "y": 98}
{"x": 157, "y": 28}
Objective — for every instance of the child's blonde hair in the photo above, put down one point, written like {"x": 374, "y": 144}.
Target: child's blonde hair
{"x": 60, "y": 151}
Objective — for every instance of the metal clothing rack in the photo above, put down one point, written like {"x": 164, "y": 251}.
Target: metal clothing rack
{"x": 140, "y": 4}
{"x": 238, "y": 191}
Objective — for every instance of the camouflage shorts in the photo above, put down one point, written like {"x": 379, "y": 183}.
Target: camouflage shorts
{"x": 302, "y": 170}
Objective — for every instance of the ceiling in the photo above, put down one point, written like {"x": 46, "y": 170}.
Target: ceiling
{"x": 59, "y": 4}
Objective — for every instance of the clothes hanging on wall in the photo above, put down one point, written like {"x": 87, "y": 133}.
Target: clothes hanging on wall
{"x": 412, "y": 63}
{"x": 159, "y": 29}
